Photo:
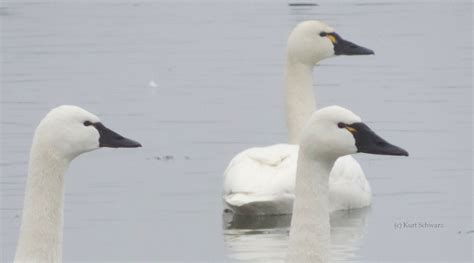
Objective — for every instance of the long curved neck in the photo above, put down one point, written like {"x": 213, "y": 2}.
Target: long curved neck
{"x": 42, "y": 224}
{"x": 310, "y": 229}
{"x": 299, "y": 97}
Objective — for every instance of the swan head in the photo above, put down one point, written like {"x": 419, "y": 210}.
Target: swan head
{"x": 313, "y": 41}
{"x": 334, "y": 131}
{"x": 69, "y": 131}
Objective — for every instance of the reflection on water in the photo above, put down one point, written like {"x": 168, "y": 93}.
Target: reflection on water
{"x": 347, "y": 232}
{"x": 264, "y": 238}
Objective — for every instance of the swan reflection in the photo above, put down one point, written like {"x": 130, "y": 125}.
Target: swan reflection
{"x": 265, "y": 238}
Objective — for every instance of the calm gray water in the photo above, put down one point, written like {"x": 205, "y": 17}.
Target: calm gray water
{"x": 218, "y": 73}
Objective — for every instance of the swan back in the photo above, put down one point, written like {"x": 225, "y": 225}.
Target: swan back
{"x": 257, "y": 180}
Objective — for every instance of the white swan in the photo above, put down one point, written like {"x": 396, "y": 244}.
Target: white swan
{"x": 65, "y": 133}
{"x": 261, "y": 180}
{"x": 331, "y": 132}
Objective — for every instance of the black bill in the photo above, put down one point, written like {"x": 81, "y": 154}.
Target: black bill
{"x": 344, "y": 47}
{"x": 367, "y": 141}
{"x": 109, "y": 138}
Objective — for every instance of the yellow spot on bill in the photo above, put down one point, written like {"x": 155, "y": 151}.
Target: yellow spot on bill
{"x": 352, "y": 130}
{"x": 332, "y": 38}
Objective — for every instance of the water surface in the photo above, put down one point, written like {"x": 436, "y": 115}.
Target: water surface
{"x": 218, "y": 74}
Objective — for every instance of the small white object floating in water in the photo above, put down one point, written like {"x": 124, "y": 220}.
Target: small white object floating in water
{"x": 153, "y": 84}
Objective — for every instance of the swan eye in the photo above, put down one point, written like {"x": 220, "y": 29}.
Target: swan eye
{"x": 87, "y": 123}
{"x": 341, "y": 125}
{"x": 323, "y": 34}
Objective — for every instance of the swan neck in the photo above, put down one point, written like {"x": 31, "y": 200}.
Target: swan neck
{"x": 41, "y": 234}
{"x": 310, "y": 228}
{"x": 299, "y": 97}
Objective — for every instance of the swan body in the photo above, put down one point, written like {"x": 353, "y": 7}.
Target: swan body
{"x": 272, "y": 190}
{"x": 65, "y": 133}
{"x": 269, "y": 170}
{"x": 261, "y": 180}
{"x": 331, "y": 133}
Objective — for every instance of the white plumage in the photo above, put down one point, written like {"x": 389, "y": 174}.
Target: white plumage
{"x": 63, "y": 134}
{"x": 331, "y": 133}
{"x": 261, "y": 180}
